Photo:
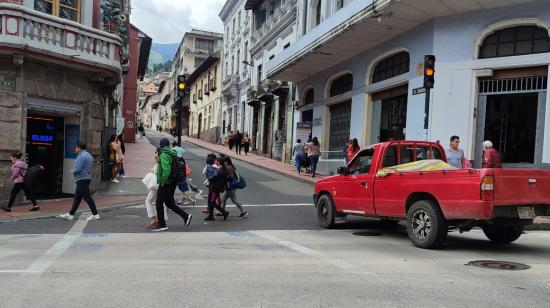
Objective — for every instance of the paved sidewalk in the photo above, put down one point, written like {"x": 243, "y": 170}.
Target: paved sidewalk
{"x": 139, "y": 158}
{"x": 257, "y": 160}
{"x": 49, "y": 208}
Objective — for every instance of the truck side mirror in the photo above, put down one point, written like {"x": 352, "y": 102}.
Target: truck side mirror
{"x": 342, "y": 171}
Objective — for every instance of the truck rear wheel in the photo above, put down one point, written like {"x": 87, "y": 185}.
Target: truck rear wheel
{"x": 326, "y": 211}
{"x": 426, "y": 226}
{"x": 502, "y": 234}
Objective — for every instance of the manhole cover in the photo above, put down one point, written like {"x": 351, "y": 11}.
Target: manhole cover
{"x": 499, "y": 265}
{"x": 126, "y": 216}
{"x": 367, "y": 233}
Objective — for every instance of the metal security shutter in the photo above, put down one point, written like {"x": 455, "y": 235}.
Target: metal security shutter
{"x": 340, "y": 117}
{"x": 49, "y": 106}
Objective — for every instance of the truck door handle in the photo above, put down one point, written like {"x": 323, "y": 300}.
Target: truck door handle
{"x": 363, "y": 184}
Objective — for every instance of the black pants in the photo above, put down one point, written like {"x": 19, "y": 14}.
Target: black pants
{"x": 238, "y": 148}
{"x": 16, "y": 189}
{"x": 83, "y": 192}
{"x": 246, "y": 147}
{"x": 165, "y": 195}
{"x": 213, "y": 202}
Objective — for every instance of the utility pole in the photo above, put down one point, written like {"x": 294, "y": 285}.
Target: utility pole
{"x": 181, "y": 90}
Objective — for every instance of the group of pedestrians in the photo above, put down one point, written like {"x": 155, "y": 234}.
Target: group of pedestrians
{"x": 456, "y": 158}
{"x": 220, "y": 175}
{"x": 308, "y": 152}
{"x": 239, "y": 141}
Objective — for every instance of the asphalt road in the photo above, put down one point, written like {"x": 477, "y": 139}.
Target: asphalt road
{"x": 276, "y": 257}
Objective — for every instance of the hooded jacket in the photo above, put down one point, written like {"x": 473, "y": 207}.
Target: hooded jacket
{"x": 18, "y": 171}
{"x": 164, "y": 165}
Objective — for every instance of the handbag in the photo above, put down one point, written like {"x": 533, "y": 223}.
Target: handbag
{"x": 187, "y": 170}
{"x": 150, "y": 181}
{"x": 241, "y": 184}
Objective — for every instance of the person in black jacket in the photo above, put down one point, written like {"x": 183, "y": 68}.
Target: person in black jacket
{"x": 123, "y": 149}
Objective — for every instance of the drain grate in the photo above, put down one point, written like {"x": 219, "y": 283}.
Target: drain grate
{"x": 367, "y": 233}
{"x": 499, "y": 265}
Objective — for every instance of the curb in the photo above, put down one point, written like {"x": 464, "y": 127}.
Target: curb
{"x": 80, "y": 211}
{"x": 538, "y": 227}
{"x": 256, "y": 164}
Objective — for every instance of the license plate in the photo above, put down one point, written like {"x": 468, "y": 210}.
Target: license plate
{"x": 526, "y": 212}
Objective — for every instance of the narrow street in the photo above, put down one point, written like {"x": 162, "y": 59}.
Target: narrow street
{"x": 277, "y": 256}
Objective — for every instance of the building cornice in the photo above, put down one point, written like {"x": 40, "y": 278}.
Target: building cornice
{"x": 227, "y": 9}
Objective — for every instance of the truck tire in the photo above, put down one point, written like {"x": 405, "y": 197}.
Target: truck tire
{"x": 426, "y": 226}
{"x": 326, "y": 211}
{"x": 502, "y": 234}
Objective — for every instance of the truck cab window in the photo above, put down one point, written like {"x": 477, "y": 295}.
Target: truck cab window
{"x": 362, "y": 162}
{"x": 407, "y": 154}
{"x": 390, "y": 158}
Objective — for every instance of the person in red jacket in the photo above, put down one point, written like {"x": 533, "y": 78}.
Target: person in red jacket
{"x": 491, "y": 157}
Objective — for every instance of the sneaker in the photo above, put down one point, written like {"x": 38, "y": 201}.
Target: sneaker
{"x": 159, "y": 229}
{"x": 93, "y": 217}
{"x": 115, "y": 181}
{"x": 188, "y": 221}
{"x": 219, "y": 214}
{"x": 244, "y": 214}
{"x": 5, "y": 209}
{"x": 225, "y": 216}
{"x": 66, "y": 216}
{"x": 34, "y": 209}
{"x": 209, "y": 218}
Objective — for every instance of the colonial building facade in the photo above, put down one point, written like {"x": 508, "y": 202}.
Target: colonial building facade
{"x": 195, "y": 47}
{"x": 358, "y": 65}
{"x": 274, "y": 29}
{"x": 206, "y": 105}
{"x": 236, "y": 67}
{"x": 59, "y": 69}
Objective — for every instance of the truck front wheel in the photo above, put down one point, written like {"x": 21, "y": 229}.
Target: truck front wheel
{"x": 502, "y": 234}
{"x": 426, "y": 226}
{"x": 325, "y": 211}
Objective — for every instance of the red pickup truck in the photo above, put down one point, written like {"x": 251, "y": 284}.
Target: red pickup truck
{"x": 500, "y": 201}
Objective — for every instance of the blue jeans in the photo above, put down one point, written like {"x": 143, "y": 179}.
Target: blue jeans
{"x": 314, "y": 160}
{"x": 298, "y": 160}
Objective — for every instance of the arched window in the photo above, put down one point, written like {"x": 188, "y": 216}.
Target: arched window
{"x": 392, "y": 66}
{"x": 341, "y": 85}
{"x": 309, "y": 97}
{"x": 522, "y": 40}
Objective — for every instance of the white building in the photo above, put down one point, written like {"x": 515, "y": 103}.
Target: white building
{"x": 236, "y": 114}
{"x": 357, "y": 63}
{"x": 195, "y": 47}
{"x": 274, "y": 29}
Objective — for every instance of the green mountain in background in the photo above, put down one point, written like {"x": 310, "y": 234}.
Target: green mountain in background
{"x": 160, "y": 54}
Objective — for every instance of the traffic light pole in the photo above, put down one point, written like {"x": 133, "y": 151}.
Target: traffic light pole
{"x": 179, "y": 114}
{"x": 426, "y": 113}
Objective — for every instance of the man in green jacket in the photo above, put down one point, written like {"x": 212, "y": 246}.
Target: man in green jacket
{"x": 166, "y": 190}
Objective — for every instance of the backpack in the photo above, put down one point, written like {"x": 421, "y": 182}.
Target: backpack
{"x": 177, "y": 174}
{"x": 33, "y": 174}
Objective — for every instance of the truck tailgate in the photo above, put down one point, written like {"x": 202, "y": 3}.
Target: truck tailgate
{"x": 521, "y": 187}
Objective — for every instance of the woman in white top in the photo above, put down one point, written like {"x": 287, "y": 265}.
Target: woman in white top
{"x": 313, "y": 149}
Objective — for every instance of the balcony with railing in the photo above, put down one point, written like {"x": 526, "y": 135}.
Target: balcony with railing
{"x": 281, "y": 18}
{"x": 36, "y": 34}
{"x": 198, "y": 51}
{"x": 230, "y": 87}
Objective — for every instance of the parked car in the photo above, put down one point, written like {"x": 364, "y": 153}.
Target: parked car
{"x": 500, "y": 201}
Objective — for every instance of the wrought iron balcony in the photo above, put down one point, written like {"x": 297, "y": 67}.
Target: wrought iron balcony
{"x": 281, "y": 17}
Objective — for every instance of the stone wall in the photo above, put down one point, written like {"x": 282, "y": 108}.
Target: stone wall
{"x": 46, "y": 80}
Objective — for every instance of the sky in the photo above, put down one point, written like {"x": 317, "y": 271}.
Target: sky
{"x": 167, "y": 20}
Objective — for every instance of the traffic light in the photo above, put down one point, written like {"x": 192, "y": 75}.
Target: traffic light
{"x": 429, "y": 71}
{"x": 181, "y": 85}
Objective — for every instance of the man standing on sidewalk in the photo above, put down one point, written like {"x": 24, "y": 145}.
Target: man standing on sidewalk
{"x": 166, "y": 190}
{"x": 83, "y": 175}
